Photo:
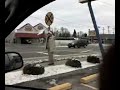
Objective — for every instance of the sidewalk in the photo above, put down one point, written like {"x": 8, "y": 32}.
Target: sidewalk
{"x": 18, "y": 76}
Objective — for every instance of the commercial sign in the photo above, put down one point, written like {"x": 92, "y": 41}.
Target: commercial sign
{"x": 49, "y": 18}
{"x": 92, "y": 33}
{"x": 28, "y": 28}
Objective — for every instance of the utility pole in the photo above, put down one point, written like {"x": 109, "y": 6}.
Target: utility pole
{"x": 108, "y": 30}
{"x": 88, "y": 31}
{"x": 103, "y": 30}
{"x": 95, "y": 24}
{"x": 78, "y": 34}
{"x": 96, "y": 28}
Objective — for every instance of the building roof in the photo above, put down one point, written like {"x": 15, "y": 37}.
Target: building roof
{"x": 24, "y": 26}
{"x": 39, "y": 24}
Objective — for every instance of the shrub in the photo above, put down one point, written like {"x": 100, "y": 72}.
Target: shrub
{"x": 32, "y": 69}
{"x": 93, "y": 59}
{"x": 73, "y": 63}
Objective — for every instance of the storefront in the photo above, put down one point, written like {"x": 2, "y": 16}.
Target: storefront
{"x": 28, "y": 34}
{"x": 106, "y": 38}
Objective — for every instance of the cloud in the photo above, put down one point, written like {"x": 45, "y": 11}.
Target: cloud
{"x": 74, "y": 15}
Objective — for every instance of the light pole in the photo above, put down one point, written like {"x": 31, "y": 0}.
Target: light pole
{"x": 94, "y": 23}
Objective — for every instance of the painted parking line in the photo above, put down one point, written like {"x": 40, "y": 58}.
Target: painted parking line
{"x": 86, "y": 51}
{"x": 91, "y": 87}
{"x": 34, "y": 58}
{"x": 63, "y": 56}
{"x": 47, "y": 53}
{"x": 43, "y": 53}
{"x": 98, "y": 44}
{"x": 58, "y": 46}
{"x": 27, "y": 52}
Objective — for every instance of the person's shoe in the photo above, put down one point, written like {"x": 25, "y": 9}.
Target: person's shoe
{"x": 51, "y": 64}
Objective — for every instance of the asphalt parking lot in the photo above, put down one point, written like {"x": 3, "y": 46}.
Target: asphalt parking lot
{"x": 34, "y": 53}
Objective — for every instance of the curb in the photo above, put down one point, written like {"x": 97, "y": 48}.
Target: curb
{"x": 89, "y": 78}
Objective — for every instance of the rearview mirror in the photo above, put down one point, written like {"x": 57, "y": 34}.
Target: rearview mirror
{"x": 13, "y": 61}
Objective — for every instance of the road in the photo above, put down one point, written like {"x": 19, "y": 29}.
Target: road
{"x": 36, "y": 52}
{"x": 32, "y": 53}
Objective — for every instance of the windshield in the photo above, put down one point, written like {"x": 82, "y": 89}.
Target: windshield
{"x": 47, "y": 46}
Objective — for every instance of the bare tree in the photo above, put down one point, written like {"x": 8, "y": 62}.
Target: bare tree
{"x": 74, "y": 33}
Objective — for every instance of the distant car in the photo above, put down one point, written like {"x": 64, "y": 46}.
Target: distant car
{"x": 78, "y": 43}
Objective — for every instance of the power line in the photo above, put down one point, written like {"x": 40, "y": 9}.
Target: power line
{"x": 68, "y": 21}
{"x": 105, "y": 3}
{"x": 77, "y": 25}
{"x": 74, "y": 25}
{"x": 72, "y": 22}
{"x": 64, "y": 21}
{"x": 35, "y": 17}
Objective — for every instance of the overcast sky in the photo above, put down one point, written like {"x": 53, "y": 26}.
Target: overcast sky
{"x": 73, "y": 15}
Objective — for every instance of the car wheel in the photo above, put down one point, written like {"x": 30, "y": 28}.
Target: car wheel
{"x": 69, "y": 47}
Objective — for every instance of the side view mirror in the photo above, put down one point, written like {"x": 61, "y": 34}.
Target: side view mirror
{"x": 13, "y": 61}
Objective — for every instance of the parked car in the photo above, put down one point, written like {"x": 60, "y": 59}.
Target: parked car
{"x": 78, "y": 43}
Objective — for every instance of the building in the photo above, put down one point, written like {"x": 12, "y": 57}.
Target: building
{"x": 10, "y": 38}
{"x": 29, "y": 34}
{"x": 106, "y": 38}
